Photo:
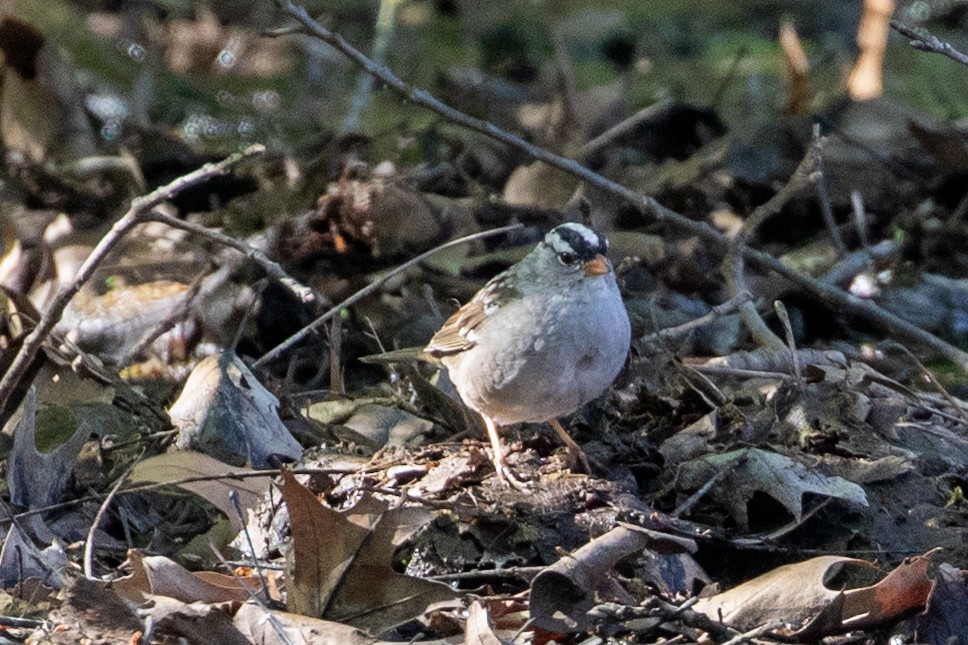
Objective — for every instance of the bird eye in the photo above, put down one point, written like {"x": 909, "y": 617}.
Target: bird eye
{"x": 566, "y": 257}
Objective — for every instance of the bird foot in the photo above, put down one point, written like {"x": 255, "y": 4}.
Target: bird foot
{"x": 505, "y": 476}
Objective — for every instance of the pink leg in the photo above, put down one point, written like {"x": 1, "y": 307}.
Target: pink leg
{"x": 504, "y": 474}
{"x": 572, "y": 445}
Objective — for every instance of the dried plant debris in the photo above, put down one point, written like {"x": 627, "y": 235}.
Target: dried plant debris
{"x": 210, "y": 479}
{"x": 160, "y": 576}
{"x": 39, "y": 479}
{"x": 796, "y": 475}
{"x": 563, "y": 593}
{"x": 336, "y": 557}
{"x": 223, "y": 409}
{"x": 734, "y": 477}
{"x": 795, "y": 595}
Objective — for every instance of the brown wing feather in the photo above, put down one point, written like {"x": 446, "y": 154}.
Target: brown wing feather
{"x": 456, "y": 335}
{"x": 452, "y": 337}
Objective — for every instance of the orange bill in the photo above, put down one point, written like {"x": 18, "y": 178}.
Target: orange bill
{"x": 598, "y": 265}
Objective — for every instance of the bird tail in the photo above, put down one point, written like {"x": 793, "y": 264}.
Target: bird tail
{"x": 405, "y": 355}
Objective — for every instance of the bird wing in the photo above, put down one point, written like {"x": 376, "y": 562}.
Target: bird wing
{"x": 457, "y": 335}
{"x": 459, "y": 332}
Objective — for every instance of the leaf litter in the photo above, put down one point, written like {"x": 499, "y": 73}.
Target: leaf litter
{"x": 717, "y": 461}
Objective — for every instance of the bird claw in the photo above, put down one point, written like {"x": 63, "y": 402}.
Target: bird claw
{"x": 506, "y": 477}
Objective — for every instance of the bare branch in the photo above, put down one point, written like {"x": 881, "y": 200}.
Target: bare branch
{"x": 734, "y": 265}
{"x": 148, "y": 486}
{"x": 273, "y": 269}
{"x": 927, "y": 43}
{"x": 136, "y": 214}
{"x": 723, "y": 309}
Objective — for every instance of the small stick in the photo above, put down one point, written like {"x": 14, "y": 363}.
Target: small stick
{"x": 930, "y": 377}
{"x": 724, "y": 370}
{"x": 860, "y": 218}
{"x": 507, "y": 572}
{"x": 734, "y": 266}
{"x": 819, "y": 180}
{"x": 784, "y": 317}
{"x": 386, "y": 23}
{"x": 273, "y": 269}
{"x": 89, "y": 544}
{"x": 244, "y": 521}
{"x": 367, "y": 290}
{"x": 335, "y": 354}
{"x": 21, "y": 623}
{"x": 928, "y": 43}
{"x": 716, "y": 100}
{"x": 723, "y": 309}
{"x": 269, "y": 616}
{"x": 139, "y": 488}
{"x": 180, "y": 313}
{"x": 693, "y": 499}
{"x": 623, "y": 128}
{"x": 745, "y": 637}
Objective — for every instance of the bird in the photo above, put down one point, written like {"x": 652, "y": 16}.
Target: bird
{"x": 539, "y": 340}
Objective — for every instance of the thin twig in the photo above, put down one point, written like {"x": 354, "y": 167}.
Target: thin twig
{"x": 745, "y": 637}
{"x": 567, "y": 87}
{"x": 723, "y": 370}
{"x": 860, "y": 218}
{"x": 385, "y": 27}
{"x": 89, "y": 544}
{"x": 269, "y": 617}
{"x": 734, "y": 268}
{"x": 273, "y": 269}
{"x": 268, "y": 566}
{"x": 929, "y": 376}
{"x": 244, "y": 522}
{"x": 336, "y": 383}
{"x": 693, "y": 499}
{"x": 928, "y": 43}
{"x": 728, "y": 78}
{"x": 367, "y": 290}
{"x": 819, "y": 180}
{"x": 828, "y": 294}
{"x": 621, "y": 129}
{"x": 171, "y": 320}
{"x": 723, "y": 309}
{"x": 516, "y": 573}
{"x": 140, "y": 488}
{"x": 781, "y": 313}
{"x": 135, "y": 215}
{"x": 20, "y": 623}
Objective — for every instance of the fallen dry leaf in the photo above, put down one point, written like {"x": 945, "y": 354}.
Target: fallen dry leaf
{"x": 175, "y": 466}
{"x": 796, "y": 594}
{"x": 225, "y": 411}
{"x": 160, "y": 576}
{"x": 946, "y": 615}
{"x": 336, "y": 557}
{"x": 751, "y": 470}
{"x": 39, "y": 479}
{"x": 89, "y": 612}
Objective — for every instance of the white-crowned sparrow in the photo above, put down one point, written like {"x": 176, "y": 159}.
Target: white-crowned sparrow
{"x": 540, "y": 339}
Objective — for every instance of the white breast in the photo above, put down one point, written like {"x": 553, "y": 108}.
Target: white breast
{"x": 545, "y": 357}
